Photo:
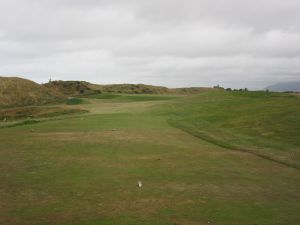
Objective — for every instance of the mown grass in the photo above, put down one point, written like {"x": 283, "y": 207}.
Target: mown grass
{"x": 75, "y": 101}
{"x": 267, "y": 124}
{"x": 131, "y": 97}
{"x": 84, "y": 171}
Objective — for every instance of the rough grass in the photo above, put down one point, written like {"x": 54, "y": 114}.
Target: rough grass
{"x": 33, "y": 112}
{"x": 84, "y": 171}
{"x": 21, "y": 92}
{"x": 82, "y": 88}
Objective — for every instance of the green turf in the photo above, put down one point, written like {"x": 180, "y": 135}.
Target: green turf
{"x": 264, "y": 123}
{"x": 132, "y": 97}
{"x": 84, "y": 170}
{"x": 74, "y": 101}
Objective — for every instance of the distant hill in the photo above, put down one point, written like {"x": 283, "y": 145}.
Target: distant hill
{"x": 151, "y": 89}
{"x": 285, "y": 86}
{"x": 76, "y": 88}
{"x": 73, "y": 88}
{"x": 16, "y": 91}
{"x": 193, "y": 90}
{"x": 135, "y": 89}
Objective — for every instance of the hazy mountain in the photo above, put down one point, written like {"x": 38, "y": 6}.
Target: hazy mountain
{"x": 285, "y": 86}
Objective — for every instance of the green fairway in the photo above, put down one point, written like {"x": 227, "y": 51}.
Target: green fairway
{"x": 131, "y": 97}
{"x": 262, "y": 123}
{"x": 202, "y": 159}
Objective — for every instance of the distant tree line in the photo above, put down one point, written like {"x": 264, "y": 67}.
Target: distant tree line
{"x": 230, "y": 89}
{"x": 241, "y": 89}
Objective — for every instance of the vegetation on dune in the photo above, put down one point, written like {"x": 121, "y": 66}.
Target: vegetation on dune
{"x": 150, "y": 89}
{"x": 135, "y": 89}
{"x": 263, "y": 123}
{"x": 21, "y": 92}
{"x": 72, "y": 88}
{"x": 76, "y": 88}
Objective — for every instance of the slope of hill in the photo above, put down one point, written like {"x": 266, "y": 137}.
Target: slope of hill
{"x": 16, "y": 91}
{"x": 262, "y": 123}
{"x": 72, "y": 88}
{"x": 284, "y": 87}
{"x": 75, "y": 88}
{"x": 135, "y": 89}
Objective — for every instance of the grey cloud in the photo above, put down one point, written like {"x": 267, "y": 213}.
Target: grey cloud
{"x": 166, "y": 42}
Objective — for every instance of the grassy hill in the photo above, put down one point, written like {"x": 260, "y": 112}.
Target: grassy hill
{"x": 73, "y": 88}
{"x": 16, "y": 91}
{"x": 76, "y": 88}
{"x": 263, "y": 123}
{"x": 151, "y": 89}
{"x": 135, "y": 89}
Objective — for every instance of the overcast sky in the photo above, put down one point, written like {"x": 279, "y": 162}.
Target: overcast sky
{"x": 175, "y": 43}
